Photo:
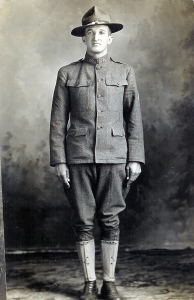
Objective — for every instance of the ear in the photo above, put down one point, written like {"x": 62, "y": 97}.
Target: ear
{"x": 83, "y": 39}
{"x": 110, "y": 38}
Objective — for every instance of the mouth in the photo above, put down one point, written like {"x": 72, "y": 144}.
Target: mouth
{"x": 96, "y": 44}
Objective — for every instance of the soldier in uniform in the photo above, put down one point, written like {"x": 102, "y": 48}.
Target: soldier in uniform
{"x": 96, "y": 142}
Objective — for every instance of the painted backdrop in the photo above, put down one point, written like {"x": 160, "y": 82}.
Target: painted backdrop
{"x": 158, "y": 41}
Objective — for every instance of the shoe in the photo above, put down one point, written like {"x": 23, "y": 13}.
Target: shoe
{"x": 109, "y": 291}
{"x": 90, "y": 291}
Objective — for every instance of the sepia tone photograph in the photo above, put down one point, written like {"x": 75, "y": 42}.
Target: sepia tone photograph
{"x": 97, "y": 150}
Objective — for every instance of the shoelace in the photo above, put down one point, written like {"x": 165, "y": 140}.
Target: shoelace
{"x": 89, "y": 287}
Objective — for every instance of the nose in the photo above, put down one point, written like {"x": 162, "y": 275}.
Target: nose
{"x": 96, "y": 36}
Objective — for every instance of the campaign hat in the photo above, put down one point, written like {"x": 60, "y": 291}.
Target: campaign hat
{"x": 96, "y": 16}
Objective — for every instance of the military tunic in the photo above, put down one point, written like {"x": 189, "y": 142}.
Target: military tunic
{"x": 99, "y": 100}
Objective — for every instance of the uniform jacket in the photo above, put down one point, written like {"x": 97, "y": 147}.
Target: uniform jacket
{"x": 96, "y": 114}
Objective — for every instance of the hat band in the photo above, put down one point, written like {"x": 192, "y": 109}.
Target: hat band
{"x": 97, "y": 23}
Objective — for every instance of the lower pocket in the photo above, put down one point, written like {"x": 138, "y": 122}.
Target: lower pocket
{"x": 118, "y": 143}
{"x": 77, "y": 143}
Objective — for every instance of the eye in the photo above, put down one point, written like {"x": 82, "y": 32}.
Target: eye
{"x": 89, "y": 32}
{"x": 102, "y": 32}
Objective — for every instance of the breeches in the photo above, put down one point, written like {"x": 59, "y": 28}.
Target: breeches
{"x": 97, "y": 191}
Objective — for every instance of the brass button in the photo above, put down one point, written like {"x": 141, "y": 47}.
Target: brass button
{"x": 98, "y": 67}
{"x": 98, "y": 95}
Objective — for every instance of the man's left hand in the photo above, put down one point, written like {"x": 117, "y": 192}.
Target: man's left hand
{"x": 133, "y": 169}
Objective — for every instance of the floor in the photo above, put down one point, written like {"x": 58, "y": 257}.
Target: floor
{"x": 140, "y": 275}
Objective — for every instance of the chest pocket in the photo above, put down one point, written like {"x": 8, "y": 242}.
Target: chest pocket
{"x": 115, "y": 92}
{"x": 80, "y": 94}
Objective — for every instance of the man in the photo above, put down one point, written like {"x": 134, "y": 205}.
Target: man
{"x": 96, "y": 141}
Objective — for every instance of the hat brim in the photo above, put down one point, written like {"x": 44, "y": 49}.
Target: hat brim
{"x": 80, "y": 31}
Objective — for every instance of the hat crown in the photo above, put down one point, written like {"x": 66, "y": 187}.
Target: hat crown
{"x": 95, "y": 14}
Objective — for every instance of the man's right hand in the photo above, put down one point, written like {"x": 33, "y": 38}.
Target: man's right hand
{"x": 62, "y": 172}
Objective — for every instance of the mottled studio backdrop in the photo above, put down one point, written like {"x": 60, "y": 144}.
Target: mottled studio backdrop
{"x": 158, "y": 41}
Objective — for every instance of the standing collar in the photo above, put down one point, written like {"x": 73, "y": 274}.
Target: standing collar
{"x": 91, "y": 60}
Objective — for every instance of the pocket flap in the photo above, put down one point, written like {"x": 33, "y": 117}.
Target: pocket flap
{"x": 116, "y": 81}
{"x": 77, "y": 131}
{"x": 78, "y": 83}
{"x": 118, "y": 132}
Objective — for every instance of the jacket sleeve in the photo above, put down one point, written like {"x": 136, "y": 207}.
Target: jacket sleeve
{"x": 133, "y": 119}
{"x": 59, "y": 119}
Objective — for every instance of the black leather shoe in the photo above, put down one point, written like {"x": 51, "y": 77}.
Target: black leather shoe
{"x": 90, "y": 291}
{"x": 109, "y": 291}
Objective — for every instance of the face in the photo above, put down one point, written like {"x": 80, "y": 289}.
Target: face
{"x": 97, "y": 38}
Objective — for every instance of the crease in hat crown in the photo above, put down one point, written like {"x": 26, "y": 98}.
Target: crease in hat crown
{"x": 95, "y": 16}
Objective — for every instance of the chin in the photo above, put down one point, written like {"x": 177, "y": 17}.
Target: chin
{"x": 97, "y": 50}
